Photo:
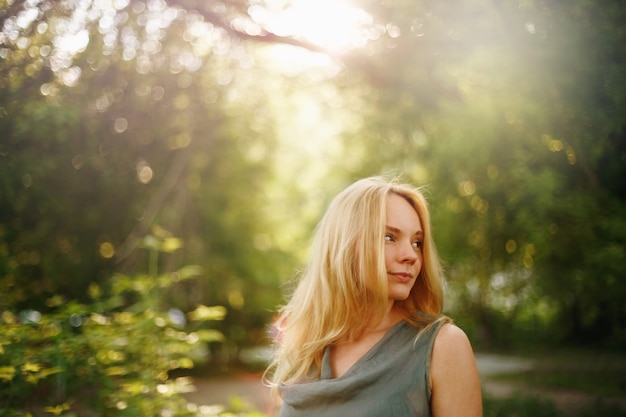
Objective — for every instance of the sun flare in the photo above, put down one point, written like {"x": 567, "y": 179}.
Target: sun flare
{"x": 334, "y": 25}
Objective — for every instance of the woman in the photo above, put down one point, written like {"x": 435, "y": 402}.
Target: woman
{"x": 363, "y": 333}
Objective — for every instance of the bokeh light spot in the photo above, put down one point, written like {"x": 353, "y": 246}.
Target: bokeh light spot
{"x": 479, "y": 205}
{"x": 528, "y": 261}
{"x": 454, "y": 204}
{"x": 235, "y": 299}
{"x": 510, "y": 246}
{"x": 158, "y": 93}
{"x": 571, "y": 155}
{"x": 27, "y": 180}
{"x": 179, "y": 141}
{"x": 121, "y": 124}
{"x": 467, "y": 188}
{"x": 78, "y": 161}
{"x": 182, "y": 101}
{"x": 107, "y": 250}
{"x": 144, "y": 172}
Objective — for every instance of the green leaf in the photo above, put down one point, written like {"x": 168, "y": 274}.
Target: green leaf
{"x": 203, "y": 313}
{"x": 7, "y": 373}
{"x": 171, "y": 244}
{"x": 210, "y": 336}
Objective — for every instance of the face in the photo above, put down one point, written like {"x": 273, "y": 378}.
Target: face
{"x": 403, "y": 247}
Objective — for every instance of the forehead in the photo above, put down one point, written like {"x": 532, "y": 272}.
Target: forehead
{"x": 401, "y": 214}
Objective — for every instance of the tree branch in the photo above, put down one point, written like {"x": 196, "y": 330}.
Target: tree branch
{"x": 154, "y": 205}
{"x": 223, "y": 22}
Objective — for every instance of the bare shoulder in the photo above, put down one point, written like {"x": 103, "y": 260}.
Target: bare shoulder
{"x": 453, "y": 375}
{"x": 452, "y": 340}
{"x": 452, "y": 349}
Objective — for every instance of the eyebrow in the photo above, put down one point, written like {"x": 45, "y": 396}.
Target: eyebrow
{"x": 398, "y": 231}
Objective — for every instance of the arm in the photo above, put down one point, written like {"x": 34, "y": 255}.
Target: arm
{"x": 453, "y": 376}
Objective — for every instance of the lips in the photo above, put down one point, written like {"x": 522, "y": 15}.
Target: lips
{"x": 402, "y": 276}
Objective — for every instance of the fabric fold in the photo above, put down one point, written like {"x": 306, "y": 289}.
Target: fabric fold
{"x": 390, "y": 379}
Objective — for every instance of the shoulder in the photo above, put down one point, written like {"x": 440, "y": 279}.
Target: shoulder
{"x": 451, "y": 338}
{"x": 453, "y": 375}
{"x": 451, "y": 349}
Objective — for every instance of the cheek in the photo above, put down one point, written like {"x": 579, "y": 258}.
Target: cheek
{"x": 420, "y": 259}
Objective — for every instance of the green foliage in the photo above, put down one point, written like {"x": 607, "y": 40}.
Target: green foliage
{"x": 530, "y": 406}
{"x": 101, "y": 144}
{"x": 512, "y": 114}
{"x": 603, "y": 383}
{"x": 518, "y": 407}
{"x": 602, "y": 409}
{"x": 111, "y": 357}
{"x": 575, "y": 382}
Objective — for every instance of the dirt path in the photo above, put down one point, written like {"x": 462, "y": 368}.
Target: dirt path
{"x": 238, "y": 387}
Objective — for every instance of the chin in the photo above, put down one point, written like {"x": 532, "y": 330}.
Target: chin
{"x": 399, "y": 295}
{"x": 400, "y": 291}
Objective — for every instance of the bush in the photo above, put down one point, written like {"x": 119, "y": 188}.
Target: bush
{"x": 111, "y": 357}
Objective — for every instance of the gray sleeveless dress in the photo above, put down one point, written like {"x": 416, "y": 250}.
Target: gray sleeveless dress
{"x": 390, "y": 380}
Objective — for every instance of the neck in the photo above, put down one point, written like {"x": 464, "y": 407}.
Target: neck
{"x": 391, "y": 317}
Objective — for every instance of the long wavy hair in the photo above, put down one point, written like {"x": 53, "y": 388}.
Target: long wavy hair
{"x": 344, "y": 288}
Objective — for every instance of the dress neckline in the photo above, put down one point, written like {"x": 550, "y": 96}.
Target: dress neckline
{"x": 327, "y": 372}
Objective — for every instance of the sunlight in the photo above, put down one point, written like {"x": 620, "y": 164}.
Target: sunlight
{"x": 333, "y": 25}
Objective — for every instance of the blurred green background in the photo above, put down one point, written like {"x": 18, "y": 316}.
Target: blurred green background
{"x": 165, "y": 162}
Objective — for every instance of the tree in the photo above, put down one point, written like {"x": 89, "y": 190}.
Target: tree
{"x": 124, "y": 120}
{"x": 513, "y": 114}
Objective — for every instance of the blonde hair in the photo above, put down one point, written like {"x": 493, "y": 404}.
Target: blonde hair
{"x": 345, "y": 285}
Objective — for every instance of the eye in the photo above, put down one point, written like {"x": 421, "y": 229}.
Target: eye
{"x": 389, "y": 238}
{"x": 418, "y": 244}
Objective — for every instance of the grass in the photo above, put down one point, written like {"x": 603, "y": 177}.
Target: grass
{"x": 528, "y": 406}
{"x": 598, "y": 377}
{"x": 518, "y": 407}
{"x": 602, "y": 383}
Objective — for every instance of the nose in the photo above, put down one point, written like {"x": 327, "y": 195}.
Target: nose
{"x": 408, "y": 253}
